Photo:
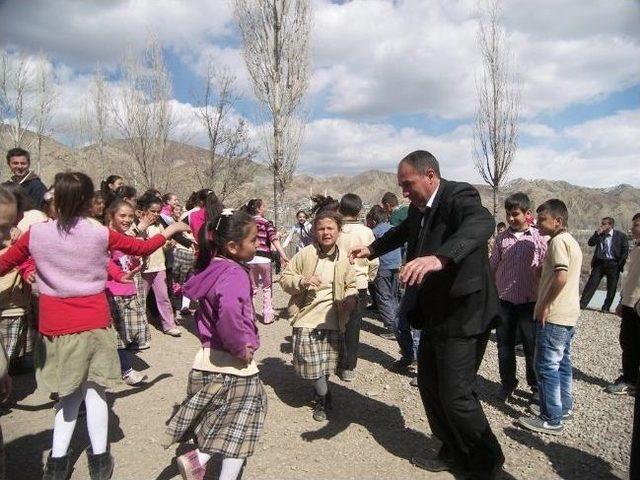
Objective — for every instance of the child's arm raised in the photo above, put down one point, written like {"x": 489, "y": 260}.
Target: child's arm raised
{"x": 17, "y": 254}
{"x": 140, "y": 248}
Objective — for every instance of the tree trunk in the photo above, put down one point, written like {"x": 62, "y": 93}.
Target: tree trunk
{"x": 495, "y": 201}
{"x": 277, "y": 163}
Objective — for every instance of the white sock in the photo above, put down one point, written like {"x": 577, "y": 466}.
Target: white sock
{"x": 185, "y": 302}
{"x": 65, "y": 422}
{"x": 321, "y": 386}
{"x": 97, "y": 418}
{"x": 231, "y": 468}
{"x": 203, "y": 458}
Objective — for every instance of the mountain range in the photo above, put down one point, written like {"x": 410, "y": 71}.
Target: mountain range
{"x": 586, "y": 204}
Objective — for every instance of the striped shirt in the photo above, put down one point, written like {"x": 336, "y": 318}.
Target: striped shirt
{"x": 266, "y": 234}
{"x": 516, "y": 261}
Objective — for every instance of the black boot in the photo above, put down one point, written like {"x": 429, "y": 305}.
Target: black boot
{"x": 57, "y": 468}
{"x": 100, "y": 466}
{"x": 320, "y": 408}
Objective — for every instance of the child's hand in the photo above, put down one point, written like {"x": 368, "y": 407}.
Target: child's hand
{"x": 248, "y": 353}
{"x": 311, "y": 283}
{"x": 174, "y": 228}
{"x": 619, "y": 310}
{"x": 347, "y": 305}
{"x": 544, "y": 314}
{"x": 14, "y": 234}
{"x": 128, "y": 276}
{"x": 31, "y": 277}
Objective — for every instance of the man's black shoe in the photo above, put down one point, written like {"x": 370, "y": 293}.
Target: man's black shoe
{"x": 433, "y": 464}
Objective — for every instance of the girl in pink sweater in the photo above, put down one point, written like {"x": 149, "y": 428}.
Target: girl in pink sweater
{"x": 76, "y": 356}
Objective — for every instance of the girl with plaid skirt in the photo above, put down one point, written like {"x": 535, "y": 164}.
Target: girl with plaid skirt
{"x": 226, "y": 403}
{"x": 76, "y": 356}
{"x": 127, "y": 310}
{"x": 322, "y": 285}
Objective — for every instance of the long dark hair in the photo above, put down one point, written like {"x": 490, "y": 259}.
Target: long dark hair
{"x": 73, "y": 197}
{"x": 107, "y": 193}
{"x": 228, "y": 226}
{"x": 252, "y": 206}
{"x": 23, "y": 201}
{"x": 147, "y": 199}
{"x": 213, "y": 207}
{"x": 320, "y": 202}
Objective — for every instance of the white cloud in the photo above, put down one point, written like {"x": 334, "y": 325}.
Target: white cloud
{"x": 601, "y": 152}
{"x": 378, "y": 58}
{"x": 83, "y": 33}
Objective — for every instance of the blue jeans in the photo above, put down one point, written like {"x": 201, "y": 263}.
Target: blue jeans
{"x": 386, "y": 296}
{"x": 553, "y": 369}
{"x": 408, "y": 339}
{"x": 516, "y": 319}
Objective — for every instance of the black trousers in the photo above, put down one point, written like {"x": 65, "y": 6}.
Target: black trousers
{"x": 630, "y": 344}
{"x": 349, "y": 358}
{"x": 447, "y": 369}
{"x": 602, "y": 268}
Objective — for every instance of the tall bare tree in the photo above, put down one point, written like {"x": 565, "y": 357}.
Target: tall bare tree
{"x": 144, "y": 117}
{"x": 45, "y": 98}
{"x": 276, "y": 39}
{"x": 229, "y": 165}
{"x": 496, "y": 123}
{"x": 16, "y": 92}
{"x": 100, "y": 120}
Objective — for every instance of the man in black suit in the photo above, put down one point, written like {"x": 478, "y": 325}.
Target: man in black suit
{"x": 612, "y": 250}
{"x": 451, "y": 297}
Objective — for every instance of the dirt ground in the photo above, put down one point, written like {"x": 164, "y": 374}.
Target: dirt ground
{"x": 377, "y": 424}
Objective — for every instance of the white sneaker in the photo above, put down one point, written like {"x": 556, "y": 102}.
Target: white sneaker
{"x": 134, "y": 378}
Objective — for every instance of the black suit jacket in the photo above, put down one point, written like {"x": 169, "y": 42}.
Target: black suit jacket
{"x": 461, "y": 300}
{"x": 619, "y": 248}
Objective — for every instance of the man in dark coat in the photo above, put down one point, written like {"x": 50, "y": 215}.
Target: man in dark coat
{"x": 19, "y": 163}
{"x": 451, "y": 297}
{"x": 612, "y": 250}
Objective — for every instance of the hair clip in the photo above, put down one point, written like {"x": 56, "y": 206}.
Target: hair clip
{"x": 227, "y": 212}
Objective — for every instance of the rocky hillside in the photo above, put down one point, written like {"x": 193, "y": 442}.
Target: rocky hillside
{"x": 586, "y": 205}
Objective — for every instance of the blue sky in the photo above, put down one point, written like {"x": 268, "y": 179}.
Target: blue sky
{"x": 388, "y": 76}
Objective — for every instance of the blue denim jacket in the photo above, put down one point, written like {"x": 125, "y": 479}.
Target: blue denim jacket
{"x": 393, "y": 259}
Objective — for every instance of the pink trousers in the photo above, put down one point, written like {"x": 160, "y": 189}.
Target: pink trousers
{"x": 260, "y": 275}
{"x": 157, "y": 281}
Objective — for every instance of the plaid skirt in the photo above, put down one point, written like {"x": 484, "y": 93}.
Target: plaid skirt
{"x": 183, "y": 261}
{"x": 222, "y": 413}
{"x": 316, "y": 352}
{"x": 18, "y": 335}
{"x": 129, "y": 320}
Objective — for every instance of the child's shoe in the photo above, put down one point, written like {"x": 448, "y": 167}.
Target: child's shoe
{"x": 189, "y": 466}
{"x": 57, "y": 468}
{"x": 133, "y": 378}
{"x": 100, "y": 466}
{"x": 174, "y": 332}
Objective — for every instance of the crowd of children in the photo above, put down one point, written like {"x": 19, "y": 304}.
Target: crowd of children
{"x": 79, "y": 318}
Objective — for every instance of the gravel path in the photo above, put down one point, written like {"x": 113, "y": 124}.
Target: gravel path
{"x": 376, "y": 426}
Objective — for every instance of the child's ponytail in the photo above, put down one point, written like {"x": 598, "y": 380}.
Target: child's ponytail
{"x": 228, "y": 226}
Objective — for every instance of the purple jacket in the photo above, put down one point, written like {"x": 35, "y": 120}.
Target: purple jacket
{"x": 225, "y": 317}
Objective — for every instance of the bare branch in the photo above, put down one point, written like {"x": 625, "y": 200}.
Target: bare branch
{"x": 276, "y": 39}
{"x": 143, "y": 115}
{"x": 496, "y": 123}
{"x": 229, "y": 164}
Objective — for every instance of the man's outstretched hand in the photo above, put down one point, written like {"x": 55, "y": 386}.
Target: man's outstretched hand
{"x": 414, "y": 272}
{"x": 361, "y": 251}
